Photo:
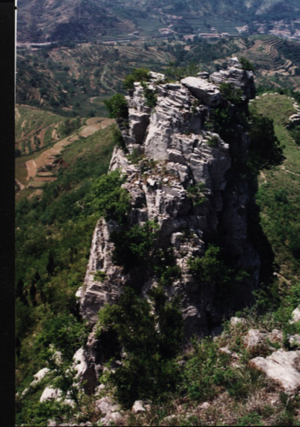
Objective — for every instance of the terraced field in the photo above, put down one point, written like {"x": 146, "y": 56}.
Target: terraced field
{"x": 35, "y": 128}
{"x": 275, "y": 60}
{"x": 34, "y": 171}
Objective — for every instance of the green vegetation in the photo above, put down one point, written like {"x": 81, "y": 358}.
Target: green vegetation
{"x": 150, "y": 96}
{"x": 137, "y": 75}
{"x": 231, "y": 94}
{"x": 246, "y": 64}
{"x": 207, "y": 371}
{"x": 53, "y": 235}
{"x": 107, "y": 196}
{"x": 265, "y": 150}
{"x": 197, "y": 192}
{"x": 150, "y": 340}
{"x": 133, "y": 245}
{"x": 117, "y": 107}
{"x": 278, "y": 195}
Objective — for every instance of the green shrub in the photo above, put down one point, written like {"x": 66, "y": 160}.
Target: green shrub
{"x": 118, "y": 138}
{"x": 265, "y": 150}
{"x": 231, "y": 93}
{"x": 207, "y": 372}
{"x": 99, "y": 276}
{"x": 137, "y": 75}
{"x": 196, "y": 193}
{"x": 117, "y": 107}
{"x": 209, "y": 268}
{"x": 38, "y": 414}
{"x": 164, "y": 267}
{"x": 133, "y": 246}
{"x": 150, "y": 96}
{"x": 252, "y": 419}
{"x": 246, "y": 64}
{"x": 64, "y": 333}
{"x": 108, "y": 198}
{"x": 213, "y": 141}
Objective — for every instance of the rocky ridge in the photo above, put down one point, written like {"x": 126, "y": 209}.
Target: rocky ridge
{"x": 177, "y": 152}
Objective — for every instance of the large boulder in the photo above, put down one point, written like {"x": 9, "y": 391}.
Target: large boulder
{"x": 206, "y": 92}
{"x": 281, "y": 366}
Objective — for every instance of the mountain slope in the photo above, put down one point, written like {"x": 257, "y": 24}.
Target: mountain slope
{"x": 52, "y": 20}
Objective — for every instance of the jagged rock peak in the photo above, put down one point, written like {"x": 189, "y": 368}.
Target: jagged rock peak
{"x": 178, "y": 153}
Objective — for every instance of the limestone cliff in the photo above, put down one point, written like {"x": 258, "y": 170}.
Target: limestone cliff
{"x": 179, "y": 153}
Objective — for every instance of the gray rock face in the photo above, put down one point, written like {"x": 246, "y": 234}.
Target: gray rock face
{"x": 240, "y": 79}
{"x": 178, "y": 153}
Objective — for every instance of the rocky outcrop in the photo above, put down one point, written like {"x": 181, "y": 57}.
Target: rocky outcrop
{"x": 179, "y": 153}
{"x": 283, "y": 367}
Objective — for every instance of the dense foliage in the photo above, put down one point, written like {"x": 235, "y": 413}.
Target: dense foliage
{"x": 150, "y": 339}
{"x": 53, "y": 236}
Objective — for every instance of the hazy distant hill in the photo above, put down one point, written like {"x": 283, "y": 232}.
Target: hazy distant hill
{"x": 53, "y": 20}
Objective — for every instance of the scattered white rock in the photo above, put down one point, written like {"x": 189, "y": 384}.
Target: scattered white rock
{"x": 104, "y": 405}
{"x": 204, "y": 405}
{"x": 234, "y": 62}
{"x": 294, "y": 340}
{"x": 100, "y": 388}
{"x": 169, "y": 418}
{"x": 70, "y": 402}
{"x": 114, "y": 417}
{"x": 225, "y": 350}
{"x": 253, "y": 338}
{"x": 51, "y": 393}
{"x": 282, "y": 367}
{"x": 138, "y": 407}
{"x": 80, "y": 364}
{"x": 79, "y": 292}
{"x": 57, "y": 356}
{"x": 151, "y": 182}
{"x": 275, "y": 336}
{"x": 41, "y": 374}
{"x": 234, "y": 321}
{"x": 25, "y": 391}
{"x": 295, "y": 316}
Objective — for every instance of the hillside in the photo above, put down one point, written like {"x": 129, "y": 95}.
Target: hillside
{"x": 210, "y": 382}
{"x": 52, "y": 20}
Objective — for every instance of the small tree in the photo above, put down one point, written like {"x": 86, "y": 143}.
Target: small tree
{"x": 117, "y": 107}
{"x": 265, "y": 150}
{"x": 137, "y": 75}
{"x": 246, "y": 64}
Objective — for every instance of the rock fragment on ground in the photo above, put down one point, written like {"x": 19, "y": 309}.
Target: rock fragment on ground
{"x": 281, "y": 366}
{"x": 234, "y": 321}
{"x": 50, "y": 393}
{"x": 295, "y": 315}
{"x": 253, "y": 339}
{"x": 138, "y": 407}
